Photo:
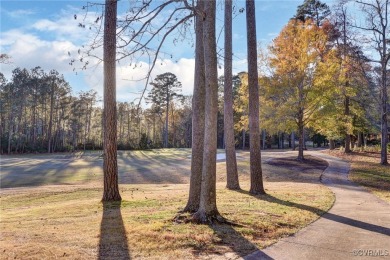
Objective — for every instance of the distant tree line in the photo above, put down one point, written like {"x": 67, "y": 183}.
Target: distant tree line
{"x": 39, "y": 113}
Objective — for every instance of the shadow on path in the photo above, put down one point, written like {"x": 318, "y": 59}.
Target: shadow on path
{"x": 233, "y": 239}
{"x": 113, "y": 242}
{"x": 324, "y": 214}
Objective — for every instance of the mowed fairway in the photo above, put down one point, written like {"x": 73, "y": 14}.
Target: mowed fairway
{"x": 58, "y": 213}
{"x": 155, "y": 166}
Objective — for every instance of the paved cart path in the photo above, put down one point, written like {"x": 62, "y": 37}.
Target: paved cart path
{"x": 356, "y": 227}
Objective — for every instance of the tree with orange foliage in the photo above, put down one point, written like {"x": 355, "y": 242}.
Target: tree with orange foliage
{"x": 293, "y": 89}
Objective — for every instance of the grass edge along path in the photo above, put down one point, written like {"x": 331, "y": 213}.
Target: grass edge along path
{"x": 368, "y": 172}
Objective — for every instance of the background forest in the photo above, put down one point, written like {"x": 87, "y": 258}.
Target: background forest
{"x": 316, "y": 82}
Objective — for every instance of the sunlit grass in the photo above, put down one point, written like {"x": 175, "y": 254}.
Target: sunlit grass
{"x": 49, "y": 222}
{"x": 68, "y": 221}
{"x": 366, "y": 171}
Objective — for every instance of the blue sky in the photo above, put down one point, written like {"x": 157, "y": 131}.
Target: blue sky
{"x": 41, "y": 33}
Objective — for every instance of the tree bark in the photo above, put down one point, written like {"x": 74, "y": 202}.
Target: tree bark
{"x": 207, "y": 212}
{"x": 293, "y": 141}
{"x": 384, "y": 71}
{"x": 331, "y": 144}
{"x": 198, "y": 117}
{"x": 49, "y": 134}
{"x": 243, "y": 139}
{"x": 254, "y": 129}
{"x": 360, "y": 139}
{"x": 231, "y": 161}
{"x": 347, "y": 135}
{"x": 166, "y": 121}
{"x": 301, "y": 136}
{"x": 110, "y": 166}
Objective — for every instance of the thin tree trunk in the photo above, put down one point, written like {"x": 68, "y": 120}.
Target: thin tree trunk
{"x": 347, "y": 135}
{"x": 264, "y": 139}
{"x": 198, "y": 117}
{"x": 166, "y": 123}
{"x": 301, "y": 136}
{"x": 110, "y": 166}
{"x": 385, "y": 72}
{"x": 243, "y": 139}
{"x": 360, "y": 139}
{"x": 254, "y": 129}
{"x": 231, "y": 161}
{"x": 331, "y": 144}
{"x": 10, "y": 130}
{"x": 208, "y": 212}
{"x": 293, "y": 140}
{"x": 49, "y": 137}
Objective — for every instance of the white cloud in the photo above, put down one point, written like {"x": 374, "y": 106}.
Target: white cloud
{"x": 19, "y": 13}
{"x": 129, "y": 85}
{"x": 46, "y": 43}
{"x": 65, "y": 27}
{"x": 28, "y": 51}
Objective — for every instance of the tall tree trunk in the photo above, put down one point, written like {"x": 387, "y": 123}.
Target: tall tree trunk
{"x": 85, "y": 128}
{"x": 208, "y": 212}
{"x": 347, "y": 99}
{"x": 198, "y": 118}
{"x": 347, "y": 135}
{"x": 293, "y": 141}
{"x": 264, "y": 139}
{"x": 360, "y": 139}
{"x": 110, "y": 164}
{"x": 384, "y": 71}
{"x": 254, "y": 129}
{"x": 10, "y": 130}
{"x": 49, "y": 134}
{"x": 301, "y": 136}
{"x": 331, "y": 144}
{"x": 231, "y": 161}
{"x": 243, "y": 139}
{"x": 352, "y": 142}
{"x": 166, "y": 122}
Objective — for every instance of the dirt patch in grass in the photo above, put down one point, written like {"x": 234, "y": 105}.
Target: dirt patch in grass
{"x": 308, "y": 170}
{"x": 368, "y": 172}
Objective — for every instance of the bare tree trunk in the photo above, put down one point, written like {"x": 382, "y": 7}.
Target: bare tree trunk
{"x": 166, "y": 122}
{"x": 243, "y": 139}
{"x": 347, "y": 135}
{"x": 110, "y": 166}
{"x": 385, "y": 59}
{"x": 208, "y": 212}
{"x": 254, "y": 129}
{"x": 10, "y": 130}
{"x": 360, "y": 139}
{"x": 293, "y": 141}
{"x": 301, "y": 136}
{"x": 331, "y": 144}
{"x": 198, "y": 117}
{"x": 231, "y": 161}
{"x": 49, "y": 137}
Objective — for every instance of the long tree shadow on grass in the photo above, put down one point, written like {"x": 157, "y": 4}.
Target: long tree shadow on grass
{"x": 228, "y": 236}
{"x": 324, "y": 214}
{"x": 113, "y": 242}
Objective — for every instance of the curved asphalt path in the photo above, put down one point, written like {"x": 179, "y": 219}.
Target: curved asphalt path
{"x": 356, "y": 227}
